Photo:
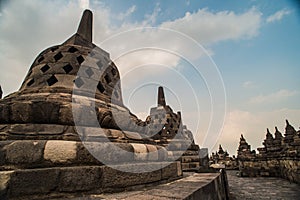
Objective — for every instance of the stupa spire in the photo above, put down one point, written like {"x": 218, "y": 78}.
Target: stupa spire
{"x": 161, "y": 97}
{"x": 85, "y": 28}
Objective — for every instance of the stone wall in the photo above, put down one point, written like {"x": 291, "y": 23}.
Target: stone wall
{"x": 280, "y": 156}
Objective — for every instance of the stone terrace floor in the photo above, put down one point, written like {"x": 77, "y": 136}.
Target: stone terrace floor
{"x": 261, "y": 188}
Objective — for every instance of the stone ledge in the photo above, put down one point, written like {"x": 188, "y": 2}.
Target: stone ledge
{"x": 191, "y": 186}
{"x": 64, "y": 181}
{"x": 22, "y": 154}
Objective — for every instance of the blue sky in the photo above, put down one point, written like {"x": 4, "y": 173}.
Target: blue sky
{"x": 254, "y": 44}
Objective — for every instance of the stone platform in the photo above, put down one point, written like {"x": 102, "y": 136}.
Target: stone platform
{"x": 258, "y": 188}
{"x": 191, "y": 186}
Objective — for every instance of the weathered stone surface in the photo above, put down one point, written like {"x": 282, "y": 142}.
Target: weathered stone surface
{"x": 65, "y": 114}
{"x": 258, "y": 188}
{"x": 179, "y": 169}
{"x": 20, "y": 152}
{"x": 3, "y": 152}
{"x": 140, "y": 152}
{"x": 168, "y": 171}
{"x": 193, "y": 186}
{"x": 45, "y": 112}
{"x": 115, "y": 178}
{"x": 85, "y": 156}
{"x": 117, "y": 134}
{"x": 21, "y": 112}
{"x": 132, "y": 135}
{"x": 194, "y": 164}
{"x": 4, "y": 180}
{"x": 111, "y": 153}
{"x": 162, "y": 153}
{"x": 190, "y": 159}
{"x": 60, "y": 151}
{"x": 33, "y": 181}
{"x": 79, "y": 179}
{"x": 152, "y": 152}
{"x": 4, "y": 113}
{"x": 37, "y": 129}
{"x": 93, "y": 134}
{"x": 85, "y": 116}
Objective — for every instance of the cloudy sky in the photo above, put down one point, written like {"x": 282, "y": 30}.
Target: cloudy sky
{"x": 231, "y": 67}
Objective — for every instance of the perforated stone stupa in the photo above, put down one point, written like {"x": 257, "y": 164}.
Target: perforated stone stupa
{"x": 67, "y": 131}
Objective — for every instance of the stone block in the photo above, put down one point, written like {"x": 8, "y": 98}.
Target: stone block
{"x": 127, "y": 147}
{"x": 21, "y": 112}
{"x": 108, "y": 122}
{"x": 170, "y": 154}
{"x": 66, "y": 115}
{"x": 152, "y": 152}
{"x": 133, "y": 135}
{"x": 20, "y": 152}
{"x": 45, "y": 112}
{"x": 60, "y": 151}
{"x": 84, "y": 156}
{"x": 185, "y": 166}
{"x": 93, "y": 134}
{"x": 194, "y": 164}
{"x": 177, "y": 146}
{"x": 86, "y": 101}
{"x": 140, "y": 152}
{"x": 162, "y": 154}
{"x": 4, "y": 113}
{"x": 3, "y": 145}
{"x": 170, "y": 171}
{"x": 111, "y": 153}
{"x": 74, "y": 179}
{"x": 33, "y": 181}
{"x": 37, "y": 129}
{"x": 85, "y": 116}
{"x": 116, "y": 134}
{"x": 4, "y": 180}
{"x": 179, "y": 169}
{"x": 180, "y": 153}
{"x": 120, "y": 178}
{"x": 4, "y": 131}
{"x": 186, "y": 159}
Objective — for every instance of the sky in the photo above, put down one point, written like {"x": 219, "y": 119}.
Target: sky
{"x": 231, "y": 67}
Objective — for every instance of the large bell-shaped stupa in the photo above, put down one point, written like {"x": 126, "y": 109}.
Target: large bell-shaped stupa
{"x": 67, "y": 131}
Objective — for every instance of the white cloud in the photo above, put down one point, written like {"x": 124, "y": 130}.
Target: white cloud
{"x": 249, "y": 85}
{"x": 151, "y": 19}
{"x": 28, "y": 27}
{"x": 273, "y": 97}
{"x": 204, "y": 26}
{"x": 208, "y": 27}
{"x": 278, "y": 15}
{"x": 149, "y": 56}
{"x": 85, "y": 4}
{"x": 130, "y": 10}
